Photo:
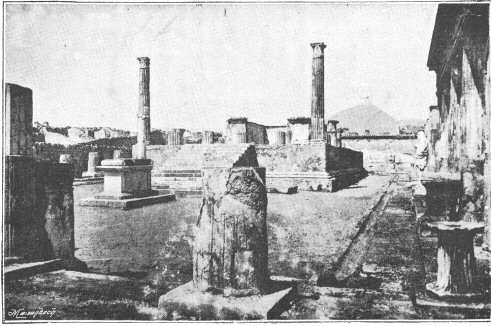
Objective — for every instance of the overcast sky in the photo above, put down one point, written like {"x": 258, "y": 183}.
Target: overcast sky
{"x": 214, "y": 61}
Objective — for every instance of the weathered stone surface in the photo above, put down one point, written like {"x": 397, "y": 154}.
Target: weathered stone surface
{"x": 231, "y": 249}
{"x": 154, "y": 197}
{"x": 39, "y": 209}
{"x": 92, "y": 162}
{"x": 188, "y": 303}
{"x": 143, "y": 105}
{"x": 123, "y": 180}
{"x": 456, "y": 260}
{"x": 18, "y": 120}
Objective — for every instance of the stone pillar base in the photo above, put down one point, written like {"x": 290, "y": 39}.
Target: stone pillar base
{"x": 127, "y": 184}
{"x": 186, "y": 302}
{"x": 456, "y": 277}
{"x": 92, "y": 174}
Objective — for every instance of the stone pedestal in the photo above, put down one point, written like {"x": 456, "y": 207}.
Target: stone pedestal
{"x": 126, "y": 178}
{"x": 92, "y": 162}
{"x": 127, "y": 184}
{"x": 456, "y": 260}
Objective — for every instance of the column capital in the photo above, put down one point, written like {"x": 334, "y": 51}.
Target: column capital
{"x": 318, "y": 48}
{"x": 144, "y": 62}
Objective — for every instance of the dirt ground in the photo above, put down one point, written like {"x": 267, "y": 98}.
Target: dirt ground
{"x": 150, "y": 249}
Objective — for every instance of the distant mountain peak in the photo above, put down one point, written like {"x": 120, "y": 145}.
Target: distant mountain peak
{"x": 366, "y": 116}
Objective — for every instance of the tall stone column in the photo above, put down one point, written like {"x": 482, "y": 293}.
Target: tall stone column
{"x": 317, "y": 108}
{"x": 143, "y": 107}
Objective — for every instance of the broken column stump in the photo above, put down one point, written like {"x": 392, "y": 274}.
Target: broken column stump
{"x": 456, "y": 261}
{"x": 230, "y": 253}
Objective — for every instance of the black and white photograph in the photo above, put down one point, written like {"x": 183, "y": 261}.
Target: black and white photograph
{"x": 266, "y": 162}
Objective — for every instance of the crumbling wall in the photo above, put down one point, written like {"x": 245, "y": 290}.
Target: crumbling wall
{"x": 80, "y": 152}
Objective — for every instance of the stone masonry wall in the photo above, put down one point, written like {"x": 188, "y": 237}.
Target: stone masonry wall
{"x": 105, "y": 147}
{"x": 18, "y": 120}
{"x": 38, "y": 209}
{"x": 307, "y": 158}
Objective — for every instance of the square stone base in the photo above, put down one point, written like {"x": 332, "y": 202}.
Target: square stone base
{"x": 92, "y": 174}
{"x": 188, "y": 303}
{"x": 127, "y": 202}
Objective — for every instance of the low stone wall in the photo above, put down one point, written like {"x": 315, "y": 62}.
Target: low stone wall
{"x": 38, "y": 209}
{"x": 382, "y": 154}
{"x": 80, "y": 152}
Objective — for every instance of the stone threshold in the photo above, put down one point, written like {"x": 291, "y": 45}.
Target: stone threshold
{"x": 128, "y": 203}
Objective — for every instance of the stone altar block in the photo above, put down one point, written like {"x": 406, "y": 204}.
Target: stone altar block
{"x": 127, "y": 184}
{"x": 126, "y": 178}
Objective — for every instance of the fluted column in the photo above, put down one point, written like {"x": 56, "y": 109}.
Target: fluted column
{"x": 207, "y": 137}
{"x": 332, "y": 132}
{"x": 143, "y": 107}
{"x": 317, "y": 107}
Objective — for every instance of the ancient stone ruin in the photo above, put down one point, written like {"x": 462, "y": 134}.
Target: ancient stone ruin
{"x": 127, "y": 182}
{"x": 230, "y": 251}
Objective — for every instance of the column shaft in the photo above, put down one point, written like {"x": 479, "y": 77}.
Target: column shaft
{"x": 317, "y": 105}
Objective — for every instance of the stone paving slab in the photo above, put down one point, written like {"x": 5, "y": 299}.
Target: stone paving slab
{"x": 186, "y": 302}
{"x": 127, "y": 203}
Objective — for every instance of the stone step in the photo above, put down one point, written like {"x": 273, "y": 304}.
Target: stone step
{"x": 177, "y": 175}
{"x": 179, "y": 171}
{"x": 170, "y": 178}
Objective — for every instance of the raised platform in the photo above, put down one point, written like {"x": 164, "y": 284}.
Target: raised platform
{"x": 314, "y": 181}
{"x": 188, "y": 303}
{"x": 128, "y": 203}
